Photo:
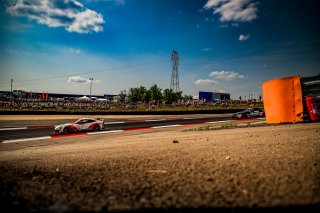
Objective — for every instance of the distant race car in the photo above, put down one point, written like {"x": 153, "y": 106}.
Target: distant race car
{"x": 249, "y": 113}
{"x": 83, "y": 124}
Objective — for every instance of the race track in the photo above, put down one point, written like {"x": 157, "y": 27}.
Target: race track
{"x": 45, "y": 128}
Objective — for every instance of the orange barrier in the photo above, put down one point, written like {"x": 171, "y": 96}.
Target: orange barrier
{"x": 283, "y": 100}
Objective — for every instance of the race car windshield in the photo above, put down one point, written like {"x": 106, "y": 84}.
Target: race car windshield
{"x": 78, "y": 121}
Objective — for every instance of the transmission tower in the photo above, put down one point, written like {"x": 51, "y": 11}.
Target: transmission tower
{"x": 175, "y": 73}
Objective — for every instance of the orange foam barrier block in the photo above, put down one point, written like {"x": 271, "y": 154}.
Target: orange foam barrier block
{"x": 283, "y": 100}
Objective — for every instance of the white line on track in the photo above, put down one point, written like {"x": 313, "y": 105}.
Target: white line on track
{"x": 213, "y": 122}
{"x": 96, "y": 133}
{"x": 25, "y": 139}
{"x": 116, "y": 122}
{"x": 105, "y": 132}
{"x": 157, "y": 127}
{"x": 14, "y": 128}
{"x": 155, "y": 120}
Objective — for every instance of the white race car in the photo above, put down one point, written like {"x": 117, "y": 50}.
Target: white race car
{"x": 83, "y": 124}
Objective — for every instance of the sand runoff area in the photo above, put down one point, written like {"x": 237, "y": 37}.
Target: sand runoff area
{"x": 169, "y": 169}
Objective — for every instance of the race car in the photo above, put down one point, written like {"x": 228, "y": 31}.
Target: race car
{"x": 249, "y": 113}
{"x": 82, "y": 124}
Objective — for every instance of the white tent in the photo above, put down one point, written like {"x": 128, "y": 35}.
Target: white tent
{"x": 83, "y": 98}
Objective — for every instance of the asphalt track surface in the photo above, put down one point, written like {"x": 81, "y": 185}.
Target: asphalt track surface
{"x": 48, "y": 130}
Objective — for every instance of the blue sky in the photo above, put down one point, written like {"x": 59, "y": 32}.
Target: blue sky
{"x": 224, "y": 45}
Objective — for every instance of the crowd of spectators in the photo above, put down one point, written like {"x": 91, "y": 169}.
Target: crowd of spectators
{"x": 97, "y": 105}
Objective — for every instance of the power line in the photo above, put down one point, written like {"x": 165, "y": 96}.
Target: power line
{"x": 25, "y": 85}
{"x": 11, "y": 81}
{"x": 91, "y": 72}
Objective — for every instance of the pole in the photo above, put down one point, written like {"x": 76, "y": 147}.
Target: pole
{"x": 11, "y": 90}
{"x": 90, "y": 85}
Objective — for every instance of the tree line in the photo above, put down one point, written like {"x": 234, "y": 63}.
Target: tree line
{"x": 152, "y": 95}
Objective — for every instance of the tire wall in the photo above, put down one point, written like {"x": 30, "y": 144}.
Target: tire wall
{"x": 283, "y": 100}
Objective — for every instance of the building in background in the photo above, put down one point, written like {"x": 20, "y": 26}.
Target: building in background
{"x": 205, "y": 96}
{"x": 219, "y": 96}
{"x": 213, "y": 96}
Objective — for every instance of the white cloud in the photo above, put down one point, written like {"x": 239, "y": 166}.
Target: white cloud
{"x": 118, "y": 2}
{"x": 82, "y": 80}
{"x": 205, "y": 82}
{"x": 72, "y": 50}
{"x": 86, "y": 21}
{"x": 233, "y": 10}
{"x": 78, "y": 79}
{"x": 224, "y": 26}
{"x": 209, "y": 19}
{"x": 206, "y": 49}
{"x": 19, "y": 52}
{"x": 70, "y": 14}
{"x": 225, "y": 75}
{"x": 244, "y": 37}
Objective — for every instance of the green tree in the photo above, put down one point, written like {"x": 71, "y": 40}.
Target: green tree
{"x": 146, "y": 96}
{"x": 169, "y": 96}
{"x": 178, "y": 96}
{"x": 136, "y": 94}
{"x": 123, "y": 96}
{"x": 155, "y": 93}
{"x": 187, "y": 98}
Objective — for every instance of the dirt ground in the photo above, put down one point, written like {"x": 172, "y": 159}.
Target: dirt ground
{"x": 251, "y": 168}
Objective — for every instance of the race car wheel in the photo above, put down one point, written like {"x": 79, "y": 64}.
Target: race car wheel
{"x": 96, "y": 128}
{"x": 66, "y": 130}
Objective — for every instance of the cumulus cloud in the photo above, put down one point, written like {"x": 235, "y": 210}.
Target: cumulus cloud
{"x": 70, "y": 14}
{"x": 233, "y": 10}
{"x": 225, "y": 75}
{"x": 215, "y": 75}
{"x": 243, "y": 37}
{"x": 205, "y": 82}
{"x": 81, "y": 80}
{"x": 78, "y": 79}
